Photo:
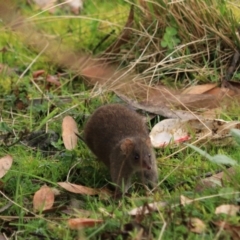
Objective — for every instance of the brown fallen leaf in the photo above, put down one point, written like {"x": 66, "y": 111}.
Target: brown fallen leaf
{"x": 217, "y": 91}
{"x": 76, "y": 223}
{"x": 38, "y": 73}
{"x": 74, "y": 188}
{"x": 199, "y": 89}
{"x": 210, "y": 182}
{"x": 216, "y": 180}
{"x": 43, "y": 199}
{"x": 5, "y": 164}
{"x": 233, "y": 230}
{"x": 228, "y": 209}
{"x": 69, "y": 131}
{"x": 54, "y": 80}
{"x": 161, "y": 96}
{"x": 158, "y": 110}
{"x": 98, "y": 72}
{"x": 196, "y": 225}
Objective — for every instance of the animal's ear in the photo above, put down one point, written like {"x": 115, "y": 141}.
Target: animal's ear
{"x": 148, "y": 142}
{"x": 126, "y": 145}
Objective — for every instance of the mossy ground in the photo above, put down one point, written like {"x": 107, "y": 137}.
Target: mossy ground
{"x": 33, "y": 168}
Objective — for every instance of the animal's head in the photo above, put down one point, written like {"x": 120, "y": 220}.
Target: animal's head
{"x": 138, "y": 152}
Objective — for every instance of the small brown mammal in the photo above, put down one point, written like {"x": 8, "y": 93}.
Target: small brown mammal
{"x": 119, "y": 138}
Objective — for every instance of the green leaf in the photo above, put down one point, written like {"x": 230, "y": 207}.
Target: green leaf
{"x": 176, "y": 41}
{"x": 170, "y": 45}
{"x": 166, "y": 37}
{"x": 200, "y": 151}
{"x": 164, "y": 44}
{"x": 171, "y": 31}
{"x": 223, "y": 159}
{"x": 219, "y": 158}
{"x": 236, "y": 135}
{"x": 168, "y": 30}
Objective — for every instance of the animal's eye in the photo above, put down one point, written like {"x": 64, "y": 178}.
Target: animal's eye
{"x": 136, "y": 157}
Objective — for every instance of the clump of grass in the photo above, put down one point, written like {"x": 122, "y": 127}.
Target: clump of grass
{"x": 182, "y": 41}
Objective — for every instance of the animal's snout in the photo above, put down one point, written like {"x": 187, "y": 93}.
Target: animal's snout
{"x": 149, "y": 167}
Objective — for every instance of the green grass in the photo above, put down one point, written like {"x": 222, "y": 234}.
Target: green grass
{"x": 21, "y": 114}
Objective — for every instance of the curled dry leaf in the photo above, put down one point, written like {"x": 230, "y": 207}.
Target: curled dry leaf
{"x": 228, "y": 209}
{"x": 77, "y": 223}
{"x": 147, "y": 208}
{"x": 38, "y": 73}
{"x": 69, "y": 130}
{"x": 196, "y": 225}
{"x": 54, "y": 80}
{"x": 216, "y": 180}
{"x": 5, "y": 164}
{"x": 74, "y": 188}
{"x": 43, "y": 199}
